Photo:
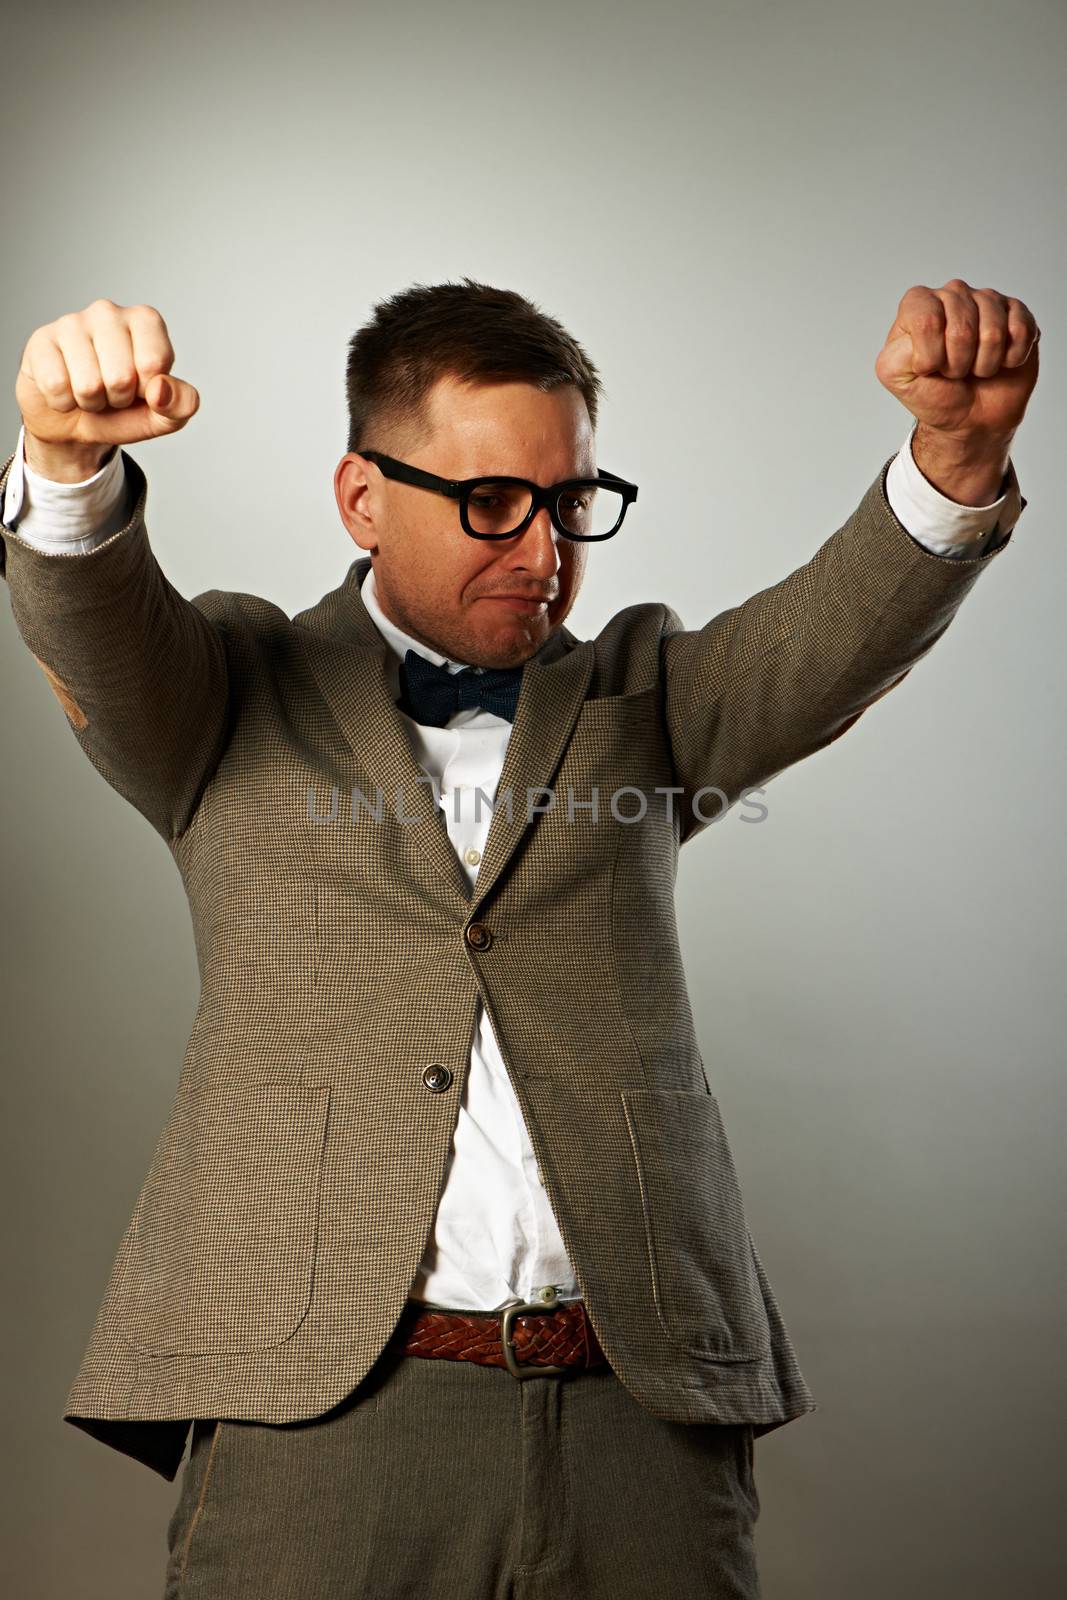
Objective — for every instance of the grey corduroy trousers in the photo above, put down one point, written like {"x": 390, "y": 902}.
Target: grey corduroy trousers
{"x": 448, "y": 1480}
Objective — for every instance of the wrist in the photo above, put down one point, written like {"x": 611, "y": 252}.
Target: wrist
{"x": 968, "y": 468}
{"x": 65, "y": 463}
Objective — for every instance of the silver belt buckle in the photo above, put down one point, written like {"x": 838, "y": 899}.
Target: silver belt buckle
{"x": 507, "y": 1318}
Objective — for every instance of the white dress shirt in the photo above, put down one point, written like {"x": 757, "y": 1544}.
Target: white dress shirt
{"x": 495, "y": 1238}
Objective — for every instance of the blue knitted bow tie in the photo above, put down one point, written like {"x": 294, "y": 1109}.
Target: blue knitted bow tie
{"x": 431, "y": 694}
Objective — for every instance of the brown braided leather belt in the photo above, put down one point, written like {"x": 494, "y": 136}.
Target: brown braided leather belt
{"x": 532, "y": 1338}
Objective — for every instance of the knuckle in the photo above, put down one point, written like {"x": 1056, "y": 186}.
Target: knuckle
{"x": 155, "y": 361}
{"x": 89, "y": 391}
{"x": 53, "y": 386}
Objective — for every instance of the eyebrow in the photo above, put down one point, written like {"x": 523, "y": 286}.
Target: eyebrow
{"x": 569, "y": 477}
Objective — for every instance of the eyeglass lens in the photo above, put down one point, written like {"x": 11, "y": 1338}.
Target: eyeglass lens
{"x": 586, "y": 511}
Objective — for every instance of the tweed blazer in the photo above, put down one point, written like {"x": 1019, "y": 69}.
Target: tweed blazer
{"x": 341, "y": 953}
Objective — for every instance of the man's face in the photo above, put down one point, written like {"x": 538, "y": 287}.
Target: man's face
{"x": 433, "y": 579}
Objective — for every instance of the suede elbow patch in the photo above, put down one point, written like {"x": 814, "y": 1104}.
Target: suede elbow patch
{"x": 75, "y": 714}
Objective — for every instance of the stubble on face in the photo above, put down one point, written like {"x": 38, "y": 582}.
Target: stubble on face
{"x": 473, "y": 627}
{"x": 439, "y": 584}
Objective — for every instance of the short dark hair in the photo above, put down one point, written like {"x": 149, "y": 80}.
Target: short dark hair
{"x": 469, "y": 331}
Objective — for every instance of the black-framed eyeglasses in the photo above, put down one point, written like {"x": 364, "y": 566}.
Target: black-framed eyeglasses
{"x": 582, "y": 509}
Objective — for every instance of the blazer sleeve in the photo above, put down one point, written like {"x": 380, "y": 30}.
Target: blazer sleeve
{"x": 140, "y": 671}
{"x": 781, "y": 675}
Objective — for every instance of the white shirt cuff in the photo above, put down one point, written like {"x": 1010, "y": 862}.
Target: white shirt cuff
{"x": 68, "y": 517}
{"x": 943, "y": 525}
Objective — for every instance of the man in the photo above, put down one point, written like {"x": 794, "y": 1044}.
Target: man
{"x": 443, "y": 1096}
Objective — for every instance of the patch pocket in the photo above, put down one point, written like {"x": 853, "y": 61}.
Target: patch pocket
{"x": 222, "y": 1243}
{"x": 703, "y": 1271}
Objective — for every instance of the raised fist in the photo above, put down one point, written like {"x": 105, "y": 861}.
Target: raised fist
{"x": 962, "y": 360}
{"x": 102, "y": 377}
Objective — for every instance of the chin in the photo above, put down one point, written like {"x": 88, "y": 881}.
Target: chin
{"x": 510, "y": 650}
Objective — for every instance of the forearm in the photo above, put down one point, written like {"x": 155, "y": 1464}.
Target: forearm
{"x": 140, "y": 671}
{"x": 790, "y": 669}
{"x": 65, "y": 517}
{"x": 969, "y": 469}
{"x": 65, "y": 463}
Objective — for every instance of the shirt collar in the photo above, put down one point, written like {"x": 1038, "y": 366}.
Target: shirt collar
{"x": 399, "y": 641}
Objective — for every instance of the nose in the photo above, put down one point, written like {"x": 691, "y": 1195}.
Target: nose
{"x": 536, "y": 549}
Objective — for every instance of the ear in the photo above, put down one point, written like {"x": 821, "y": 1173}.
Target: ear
{"x": 354, "y": 494}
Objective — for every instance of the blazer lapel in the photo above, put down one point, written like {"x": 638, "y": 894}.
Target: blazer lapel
{"x": 351, "y": 679}
{"x": 553, "y": 691}
{"x": 348, "y": 656}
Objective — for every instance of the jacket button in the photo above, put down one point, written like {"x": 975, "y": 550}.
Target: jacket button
{"x": 437, "y": 1077}
{"x": 479, "y": 936}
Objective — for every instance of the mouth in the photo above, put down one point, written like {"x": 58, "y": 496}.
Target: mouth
{"x": 520, "y": 603}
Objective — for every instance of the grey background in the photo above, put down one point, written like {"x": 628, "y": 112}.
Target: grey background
{"x": 725, "y": 203}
